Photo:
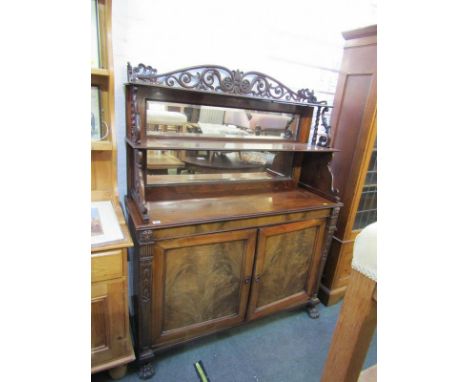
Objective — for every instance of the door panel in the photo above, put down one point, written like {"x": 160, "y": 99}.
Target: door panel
{"x": 201, "y": 283}
{"x": 109, "y": 328}
{"x": 286, "y": 266}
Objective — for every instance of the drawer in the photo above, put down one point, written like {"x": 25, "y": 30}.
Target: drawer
{"x": 230, "y": 225}
{"x": 107, "y": 265}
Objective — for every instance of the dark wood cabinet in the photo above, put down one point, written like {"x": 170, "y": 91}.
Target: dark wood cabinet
{"x": 231, "y": 211}
{"x": 354, "y": 122}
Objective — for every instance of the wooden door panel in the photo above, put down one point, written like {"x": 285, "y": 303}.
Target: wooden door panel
{"x": 109, "y": 321}
{"x": 99, "y": 325}
{"x": 286, "y": 266}
{"x": 200, "y": 283}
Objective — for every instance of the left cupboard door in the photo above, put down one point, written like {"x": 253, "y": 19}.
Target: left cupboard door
{"x": 201, "y": 284}
{"x": 110, "y": 339}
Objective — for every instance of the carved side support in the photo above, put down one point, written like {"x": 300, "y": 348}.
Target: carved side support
{"x": 322, "y": 139}
{"x": 144, "y": 267}
{"x": 138, "y": 189}
{"x": 135, "y": 125}
{"x": 331, "y": 228}
{"x": 317, "y": 176}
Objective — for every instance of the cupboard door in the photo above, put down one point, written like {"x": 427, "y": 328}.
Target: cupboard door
{"x": 286, "y": 266}
{"x": 109, "y": 322}
{"x": 201, "y": 284}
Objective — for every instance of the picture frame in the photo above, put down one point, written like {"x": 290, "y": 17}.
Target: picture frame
{"x": 96, "y": 123}
{"x": 105, "y": 227}
{"x": 95, "y": 36}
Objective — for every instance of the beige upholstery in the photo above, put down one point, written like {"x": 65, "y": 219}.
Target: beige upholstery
{"x": 161, "y": 117}
{"x": 365, "y": 252}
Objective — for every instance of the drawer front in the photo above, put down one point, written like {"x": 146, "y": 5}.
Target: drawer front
{"x": 107, "y": 265}
{"x": 230, "y": 225}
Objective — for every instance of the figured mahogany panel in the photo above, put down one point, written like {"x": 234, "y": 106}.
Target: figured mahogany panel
{"x": 201, "y": 282}
{"x": 286, "y": 266}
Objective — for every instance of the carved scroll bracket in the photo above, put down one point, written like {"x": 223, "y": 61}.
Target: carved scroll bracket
{"x": 317, "y": 175}
{"x": 219, "y": 79}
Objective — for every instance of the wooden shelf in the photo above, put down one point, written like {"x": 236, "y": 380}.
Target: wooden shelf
{"x": 190, "y": 211}
{"x": 198, "y": 144}
{"x": 194, "y": 178}
{"x": 100, "y": 72}
{"x": 101, "y": 146}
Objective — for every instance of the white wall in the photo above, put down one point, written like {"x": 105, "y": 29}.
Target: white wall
{"x": 298, "y": 42}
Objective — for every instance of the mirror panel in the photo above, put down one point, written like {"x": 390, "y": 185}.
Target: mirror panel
{"x": 166, "y": 167}
{"x": 177, "y": 119}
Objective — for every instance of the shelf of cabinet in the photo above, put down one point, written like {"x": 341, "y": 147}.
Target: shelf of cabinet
{"x": 101, "y": 146}
{"x": 100, "y": 72}
{"x": 219, "y": 145}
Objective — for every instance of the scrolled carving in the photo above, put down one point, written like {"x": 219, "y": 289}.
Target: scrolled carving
{"x": 141, "y": 71}
{"x": 146, "y": 281}
{"x": 134, "y": 116}
{"x": 214, "y": 78}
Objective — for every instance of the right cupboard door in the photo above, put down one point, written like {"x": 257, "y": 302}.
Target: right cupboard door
{"x": 286, "y": 266}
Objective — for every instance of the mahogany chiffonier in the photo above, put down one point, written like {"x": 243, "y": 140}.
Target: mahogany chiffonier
{"x": 354, "y": 122}
{"x": 231, "y": 210}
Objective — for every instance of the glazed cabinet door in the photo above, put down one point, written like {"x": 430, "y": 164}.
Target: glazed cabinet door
{"x": 109, "y": 323}
{"x": 201, "y": 284}
{"x": 286, "y": 266}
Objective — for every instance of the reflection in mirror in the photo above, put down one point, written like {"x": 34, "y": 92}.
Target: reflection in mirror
{"x": 166, "y": 119}
{"x": 188, "y": 166}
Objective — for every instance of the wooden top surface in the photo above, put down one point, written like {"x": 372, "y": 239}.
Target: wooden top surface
{"x": 202, "y": 210}
{"x": 179, "y": 144}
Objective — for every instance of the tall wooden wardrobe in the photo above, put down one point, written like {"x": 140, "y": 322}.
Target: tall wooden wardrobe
{"x": 354, "y": 123}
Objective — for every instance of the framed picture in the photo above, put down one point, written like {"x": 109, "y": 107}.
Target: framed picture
{"x": 95, "y": 56}
{"x": 95, "y": 114}
{"x": 104, "y": 224}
